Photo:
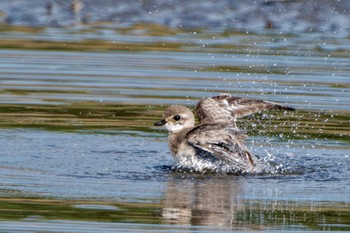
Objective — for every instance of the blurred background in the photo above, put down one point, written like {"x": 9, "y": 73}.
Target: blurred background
{"x": 251, "y": 15}
{"x": 83, "y": 81}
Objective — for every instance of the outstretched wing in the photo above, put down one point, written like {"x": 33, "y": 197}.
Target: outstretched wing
{"x": 227, "y": 108}
{"x": 222, "y": 143}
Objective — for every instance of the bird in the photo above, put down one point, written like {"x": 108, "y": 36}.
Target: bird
{"x": 76, "y": 7}
{"x": 216, "y": 144}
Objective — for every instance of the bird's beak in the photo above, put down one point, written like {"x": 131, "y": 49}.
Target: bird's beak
{"x": 160, "y": 123}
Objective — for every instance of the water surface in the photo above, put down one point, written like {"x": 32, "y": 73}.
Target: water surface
{"x": 79, "y": 151}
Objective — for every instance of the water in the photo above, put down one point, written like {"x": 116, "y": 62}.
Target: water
{"x": 79, "y": 152}
{"x": 287, "y": 16}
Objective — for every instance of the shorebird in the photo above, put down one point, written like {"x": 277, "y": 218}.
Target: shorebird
{"x": 216, "y": 143}
{"x": 76, "y": 7}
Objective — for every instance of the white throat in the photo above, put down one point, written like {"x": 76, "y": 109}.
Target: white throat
{"x": 174, "y": 128}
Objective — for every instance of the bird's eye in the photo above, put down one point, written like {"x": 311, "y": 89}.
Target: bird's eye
{"x": 176, "y": 118}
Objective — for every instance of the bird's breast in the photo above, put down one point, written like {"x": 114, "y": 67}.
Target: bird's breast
{"x": 179, "y": 147}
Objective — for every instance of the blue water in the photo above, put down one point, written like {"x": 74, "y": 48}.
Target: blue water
{"x": 248, "y": 15}
{"x": 79, "y": 152}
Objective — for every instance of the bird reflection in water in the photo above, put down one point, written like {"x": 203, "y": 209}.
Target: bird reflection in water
{"x": 202, "y": 201}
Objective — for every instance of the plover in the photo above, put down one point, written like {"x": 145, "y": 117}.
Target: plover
{"x": 216, "y": 143}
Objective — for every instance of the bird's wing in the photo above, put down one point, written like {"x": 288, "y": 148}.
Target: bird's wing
{"x": 222, "y": 142}
{"x": 226, "y": 108}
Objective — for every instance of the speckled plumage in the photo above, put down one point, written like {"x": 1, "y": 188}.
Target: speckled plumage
{"x": 216, "y": 142}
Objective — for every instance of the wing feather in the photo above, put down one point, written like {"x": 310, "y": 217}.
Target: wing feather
{"x": 223, "y": 144}
{"x": 226, "y": 108}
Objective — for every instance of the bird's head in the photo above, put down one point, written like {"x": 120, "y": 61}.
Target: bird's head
{"x": 177, "y": 118}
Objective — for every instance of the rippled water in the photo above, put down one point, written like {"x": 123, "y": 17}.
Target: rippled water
{"x": 79, "y": 151}
{"x": 287, "y": 16}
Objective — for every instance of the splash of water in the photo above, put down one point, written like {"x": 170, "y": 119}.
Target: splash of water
{"x": 264, "y": 165}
